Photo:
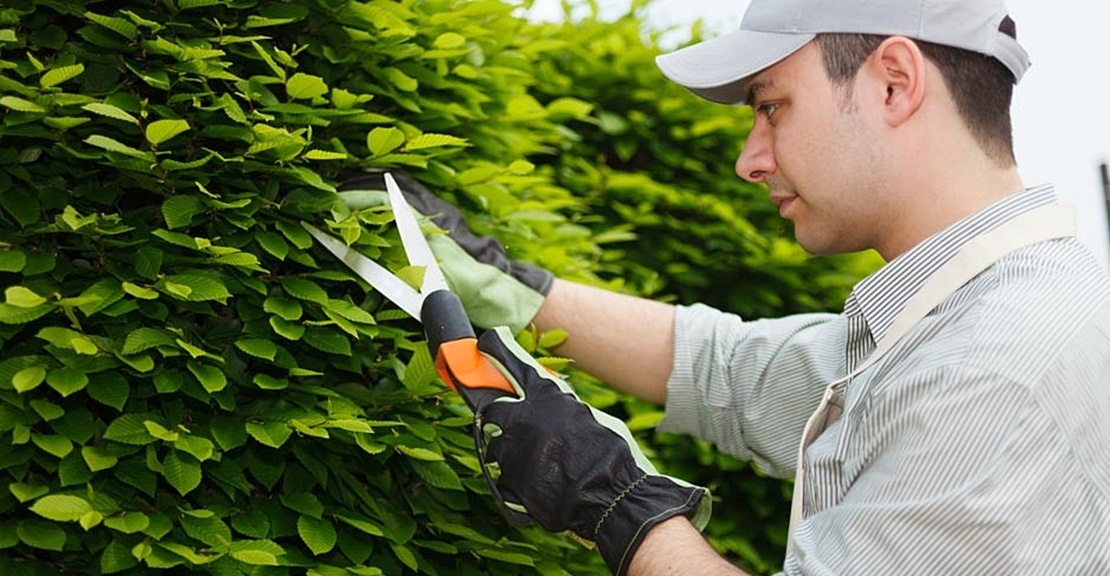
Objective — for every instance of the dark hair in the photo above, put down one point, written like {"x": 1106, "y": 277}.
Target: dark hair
{"x": 981, "y": 86}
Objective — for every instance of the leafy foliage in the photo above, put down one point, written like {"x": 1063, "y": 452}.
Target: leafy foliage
{"x": 187, "y": 383}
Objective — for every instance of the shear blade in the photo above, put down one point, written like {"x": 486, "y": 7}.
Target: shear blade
{"x": 373, "y": 273}
{"x": 416, "y": 246}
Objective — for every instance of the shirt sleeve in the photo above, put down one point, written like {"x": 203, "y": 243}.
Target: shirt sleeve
{"x": 750, "y": 387}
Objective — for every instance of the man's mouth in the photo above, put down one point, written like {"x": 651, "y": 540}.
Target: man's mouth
{"x": 783, "y": 202}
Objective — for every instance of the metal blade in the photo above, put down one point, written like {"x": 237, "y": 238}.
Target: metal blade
{"x": 373, "y": 273}
{"x": 416, "y": 246}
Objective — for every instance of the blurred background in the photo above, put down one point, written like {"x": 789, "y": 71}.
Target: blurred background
{"x": 1061, "y": 108}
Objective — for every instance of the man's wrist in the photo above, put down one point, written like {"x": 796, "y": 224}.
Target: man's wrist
{"x": 674, "y": 547}
{"x": 649, "y": 500}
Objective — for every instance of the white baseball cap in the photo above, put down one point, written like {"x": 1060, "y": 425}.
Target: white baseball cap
{"x": 774, "y": 29}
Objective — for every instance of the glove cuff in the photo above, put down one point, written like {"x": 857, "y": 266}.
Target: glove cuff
{"x": 531, "y": 276}
{"x": 645, "y": 503}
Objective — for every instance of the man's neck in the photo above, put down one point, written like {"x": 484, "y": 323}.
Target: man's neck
{"x": 937, "y": 203}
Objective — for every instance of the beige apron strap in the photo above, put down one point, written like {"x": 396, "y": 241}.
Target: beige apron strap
{"x": 1037, "y": 225}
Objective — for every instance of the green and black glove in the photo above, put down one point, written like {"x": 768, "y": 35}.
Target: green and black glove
{"x": 570, "y": 467}
{"x": 494, "y": 289}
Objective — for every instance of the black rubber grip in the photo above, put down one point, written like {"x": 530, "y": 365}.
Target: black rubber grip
{"x": 444, "y": 319}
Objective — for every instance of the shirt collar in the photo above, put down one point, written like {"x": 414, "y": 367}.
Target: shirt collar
{"x": 880, "y": 296}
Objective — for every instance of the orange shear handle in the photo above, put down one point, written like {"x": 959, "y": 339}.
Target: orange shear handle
{"x": 455, "y": 349}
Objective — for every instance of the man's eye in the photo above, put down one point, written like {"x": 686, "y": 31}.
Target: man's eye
{"x": 767, "y": 110}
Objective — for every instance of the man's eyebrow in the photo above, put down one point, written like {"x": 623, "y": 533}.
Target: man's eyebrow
{"x": 755, "y": 87}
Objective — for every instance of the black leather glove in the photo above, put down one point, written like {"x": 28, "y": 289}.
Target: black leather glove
{"x": 571, "y": 467}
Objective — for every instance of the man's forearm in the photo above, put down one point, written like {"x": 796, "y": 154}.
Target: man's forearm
{"x": 626, "y": 341}
{"x": 676, "y": 548}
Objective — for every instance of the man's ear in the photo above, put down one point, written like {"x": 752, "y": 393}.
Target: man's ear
{"x": 898, "y": 67}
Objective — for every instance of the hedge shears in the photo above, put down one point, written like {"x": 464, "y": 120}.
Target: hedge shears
{"x": 451, "y": 338}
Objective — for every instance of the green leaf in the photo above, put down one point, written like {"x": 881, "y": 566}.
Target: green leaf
{"x": 99, "y": 296}
{"x": 53, "y": 444}
{"x": 267, "y": 382}
{"x": 256, "y": 552}
{"x": 405, "y": 556}
{"x": 434, "y": 141}
{"x": 271, "y": 433}
{"x": 284, "y": 307}
{"x": 317, "y": 533}
{"x": 28, "y": 378}
{"x": 303, "y": 502}
{"x": 61, "y": 74}
{"x": 116, "y": 557}
{"x": 228, "y": 433}
{"x": 324, "y": 155}
{"x": 178, "y": 211}
{"x": 182, "y": 471}
{"x": 27, "y": 492}
{"x": 328, "y": 341}
{"x": 13, "y": 260}
{"x": 274, "y": 244}
{"x": 400, "y": 80}
{"x": 65, "y": 122}
{"x": 129, "y": 429}
{"x": 277, "y": 15}
{"x": 61, "y": 508}
{"x": 449, "y": 40}
{"x": 118, "y": 25}
{"x": 302, "y": 86}
{"x": 212, "y": 378}
{"x": 361, "y": 524}
{"x": 160, "y": 432}
{"x": 15, "y": 315}
{"x": 109, "y": 388}
{"x": 20, "y": 105}
{"x": 384, "y": 140}
{"x": 419, "y": 453}
{"x": 142, "y": 339}
{"x": 420, "y": 371}
{"x": 97, "y": 458}
{"x": 69, "y": 339}
{"x": 438, "y": 474}
{"x": 200, "y": 288}
{"x": 41, "y": 534}
{"x": 22, "y": 297}
{"x": 506, "y": 556}
{"x": 66, "y": 380}
{"x": 128, "y": 522}
{"x": 208, "y": 529}
{"x": 645, "y": 421}
{"x": 350, "y": 312}
{"x": 307, "y": 290}
{"x": 200, "y": 448}
{"x": 113, "y": 145}
{"x": 286, "y": 329}
{"x": 47, "y": 410}
{"x": 159, "y": 131}
{"x": 258, "y": 347}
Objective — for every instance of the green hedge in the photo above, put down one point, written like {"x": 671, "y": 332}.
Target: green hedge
{"x": 186, "y": 382}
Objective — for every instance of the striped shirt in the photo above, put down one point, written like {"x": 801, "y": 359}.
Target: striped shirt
{"x": 979, "y": 444}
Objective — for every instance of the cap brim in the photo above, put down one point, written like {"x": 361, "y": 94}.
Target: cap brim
{"x": 714, "y": 69}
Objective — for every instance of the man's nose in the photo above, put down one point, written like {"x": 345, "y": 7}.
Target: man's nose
{"x": 757, "y": 159}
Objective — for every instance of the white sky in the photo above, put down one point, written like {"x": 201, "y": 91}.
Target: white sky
{"x": 1061, "y": 108}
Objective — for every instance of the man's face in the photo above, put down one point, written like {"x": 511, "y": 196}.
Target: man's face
{"x": 817, "y": 151}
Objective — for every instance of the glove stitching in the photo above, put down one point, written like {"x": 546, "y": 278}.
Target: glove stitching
{"x": 613, "y": 504}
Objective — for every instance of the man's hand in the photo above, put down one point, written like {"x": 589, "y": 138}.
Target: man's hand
{"x": 570, "y": 467}
{"x": 494, "y": 289}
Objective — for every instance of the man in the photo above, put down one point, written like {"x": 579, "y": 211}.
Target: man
{"x": 967, "y": 427}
